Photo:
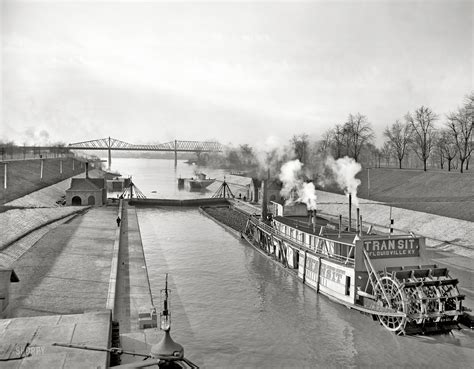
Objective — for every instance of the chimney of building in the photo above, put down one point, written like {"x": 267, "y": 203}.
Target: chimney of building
{"x": 87, "y": 170}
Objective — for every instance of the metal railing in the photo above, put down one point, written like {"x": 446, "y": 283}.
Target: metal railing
{"x": 345, "y": 259}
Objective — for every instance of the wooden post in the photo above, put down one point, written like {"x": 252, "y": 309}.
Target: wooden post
{"x": 304, "y": 267}
{"x": 340, "y": 225}
{"x": 5, "y": 177}
{"x": 368, "y": 183}
{"x": 41, "y": 168}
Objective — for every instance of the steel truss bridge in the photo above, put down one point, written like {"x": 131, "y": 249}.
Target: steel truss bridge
{"x": 175, "y": 146}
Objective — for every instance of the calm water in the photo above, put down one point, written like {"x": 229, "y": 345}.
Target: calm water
{"x": 234, "y": 308}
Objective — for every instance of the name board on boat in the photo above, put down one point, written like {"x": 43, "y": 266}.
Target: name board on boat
{"x": 312, "y": 270}
{"x": 392, "y": 247}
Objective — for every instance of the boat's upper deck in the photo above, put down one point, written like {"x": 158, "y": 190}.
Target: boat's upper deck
{"x": 321, "y": 227}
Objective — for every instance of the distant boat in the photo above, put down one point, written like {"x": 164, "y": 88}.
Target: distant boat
{"x": 200, "y": 182}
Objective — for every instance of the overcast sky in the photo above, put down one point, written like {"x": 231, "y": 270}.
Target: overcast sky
{"x": 236, "y": 72}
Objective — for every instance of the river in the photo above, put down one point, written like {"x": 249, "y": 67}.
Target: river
{"x": 232, "y": 307}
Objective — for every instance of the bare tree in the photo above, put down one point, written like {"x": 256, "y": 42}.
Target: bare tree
{"x": 359, "y": 132}
{"x": 398, "y": 136}
{"x": 422, "y": 124}
{"x": 324, "y": 145}
{"x": 246, "y": 151}
{"x": 300, "y": 146}
{"x": 387, "y": 152}
{"x": 461, "y": 125}
{"x": 338, "y": 136}
{"x": 373, "y": 154}
{"x": 447, "y": 147}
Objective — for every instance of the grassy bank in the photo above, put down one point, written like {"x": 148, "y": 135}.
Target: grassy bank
{"x": 449, "y": 194}
{"x": 24, "y": 176}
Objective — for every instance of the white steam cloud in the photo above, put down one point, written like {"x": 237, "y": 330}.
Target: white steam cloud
{"x": 34, "y": 137}
{"x": 345, "y": 170}
{"x": 294, "y": 188}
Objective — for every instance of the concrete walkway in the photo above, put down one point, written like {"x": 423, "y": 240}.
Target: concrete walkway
{"x": 28, "y": 342}
{"x": 133, "y": 294}
{"x": 67, "y": 271}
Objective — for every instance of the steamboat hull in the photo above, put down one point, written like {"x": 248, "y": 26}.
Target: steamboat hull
{"x": 388, "y": 283}
{"x": 199, "y": 184}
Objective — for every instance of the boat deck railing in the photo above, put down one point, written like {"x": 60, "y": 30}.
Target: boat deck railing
{"x": 322, "y": 249}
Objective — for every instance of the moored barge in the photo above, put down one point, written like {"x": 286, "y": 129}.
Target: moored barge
{"x": 384, "y": 276}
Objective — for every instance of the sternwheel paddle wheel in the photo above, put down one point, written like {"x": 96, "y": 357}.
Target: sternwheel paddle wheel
{"x": 390, "y": 297}
{"x": 414, "y": 299}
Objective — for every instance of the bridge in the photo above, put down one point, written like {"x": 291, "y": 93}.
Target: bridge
{"x": 175, "y": 146}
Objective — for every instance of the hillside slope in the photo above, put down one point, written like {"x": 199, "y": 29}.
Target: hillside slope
{"x": 24, "y": 176}
{"x": 449, "y": 194}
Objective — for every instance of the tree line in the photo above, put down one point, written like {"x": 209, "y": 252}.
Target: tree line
{"x": 419, "y": 137}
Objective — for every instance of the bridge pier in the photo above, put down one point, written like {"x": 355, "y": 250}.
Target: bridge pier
{"x": 110, "y": 155}
{"x": 175, "y": 153}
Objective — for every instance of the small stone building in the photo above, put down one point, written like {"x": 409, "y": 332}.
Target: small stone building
{"x": 7, "y": 276}
{"x": 273, "y": 191}
{"x": 86, "y": 191}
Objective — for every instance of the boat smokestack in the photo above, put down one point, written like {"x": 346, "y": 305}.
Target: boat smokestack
{"x": 314, "y": 220}
{"x": 340, "y": 225}
{"x": 360, "y": 226}
{"x": 357, "y": 220}
{"x": 310, "y": 216}
{"x": 265, "y": 196}
{"x": 350, "y": 211}
{"x": 87, "y": 169}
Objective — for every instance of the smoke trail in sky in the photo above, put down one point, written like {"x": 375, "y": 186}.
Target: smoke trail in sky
{"x": 345, "y": 170}
{"x": 289, "y": 174}
{"x": 294, "y": 188}
{"x": 308, "y": 195}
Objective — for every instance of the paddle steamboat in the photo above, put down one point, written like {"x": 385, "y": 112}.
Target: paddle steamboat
{"x": 384, "y": 276}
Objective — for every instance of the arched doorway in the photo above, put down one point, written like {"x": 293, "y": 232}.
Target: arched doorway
{"x": 76, "y": 201}
{"x": 91, "y": 200}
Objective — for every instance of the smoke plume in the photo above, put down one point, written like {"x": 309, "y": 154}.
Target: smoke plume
{"x": 294, "y": 188}
{"x": 344, "y": 171}
{"x": 308, "y": 195}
